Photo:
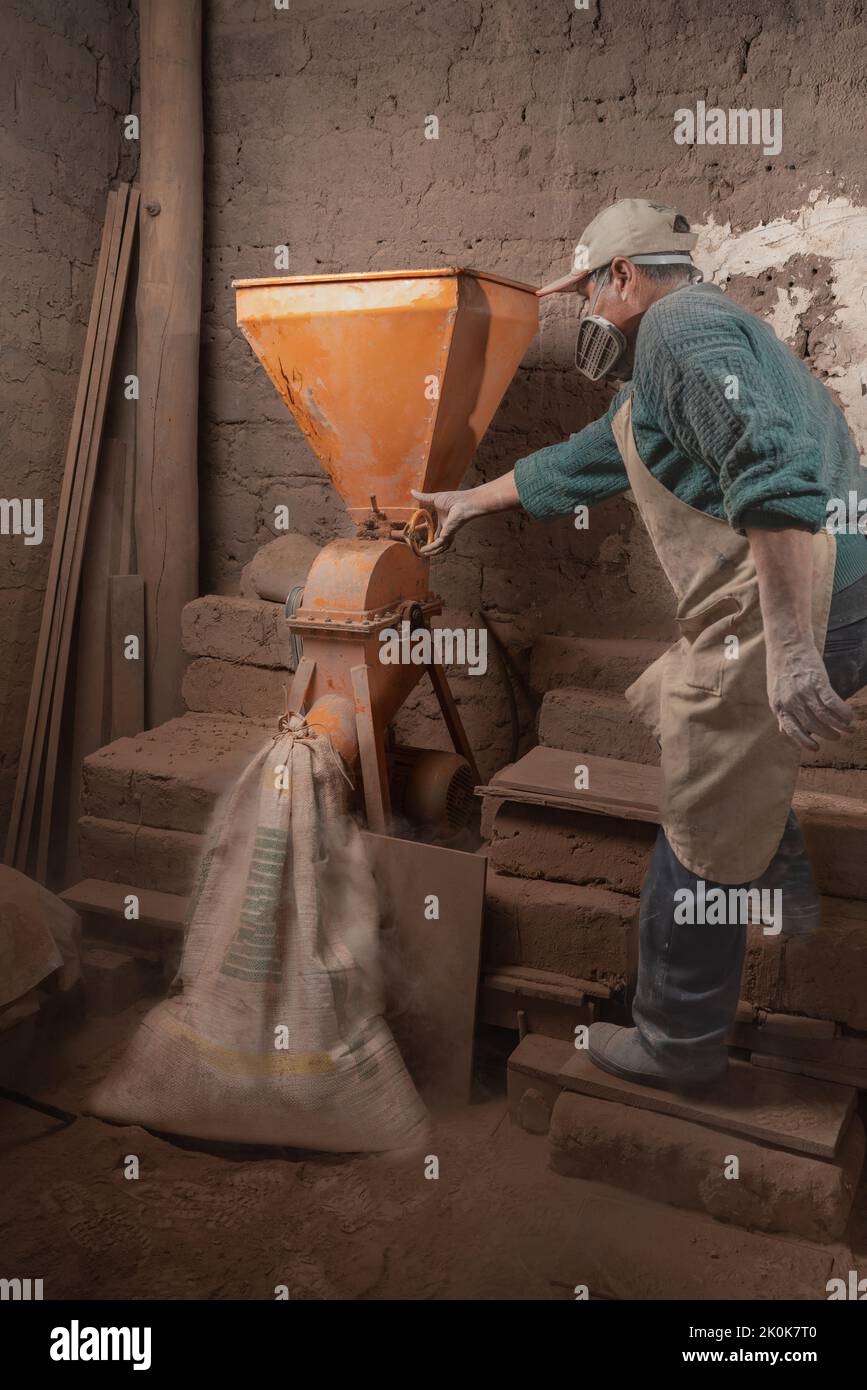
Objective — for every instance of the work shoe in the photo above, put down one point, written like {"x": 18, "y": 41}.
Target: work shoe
{"x": 620, "y": 1052}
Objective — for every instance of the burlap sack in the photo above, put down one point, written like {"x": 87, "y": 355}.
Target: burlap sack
{"x": 275, "y": 1034}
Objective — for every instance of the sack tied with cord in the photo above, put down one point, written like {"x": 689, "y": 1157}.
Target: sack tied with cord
{"x": 274, "y": 1032}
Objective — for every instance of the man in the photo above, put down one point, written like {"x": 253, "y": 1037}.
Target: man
{"x": 733, "y": 451}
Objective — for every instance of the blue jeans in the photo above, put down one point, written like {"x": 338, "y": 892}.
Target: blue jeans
{"x": 688, "y": 974}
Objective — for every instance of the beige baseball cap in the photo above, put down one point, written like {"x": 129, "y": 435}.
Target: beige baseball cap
{"x": 633, "y": 227}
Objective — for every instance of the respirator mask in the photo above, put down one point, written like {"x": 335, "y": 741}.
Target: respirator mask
{"x": 601, "y": 345}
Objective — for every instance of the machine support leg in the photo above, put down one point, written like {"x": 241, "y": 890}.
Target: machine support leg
{"x": 457, "y": 732}
{"x": 300, "y": 687}
{"x": 371, "y": 754}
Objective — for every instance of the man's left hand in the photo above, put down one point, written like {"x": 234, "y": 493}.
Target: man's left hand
{"x": 801, "y": 696}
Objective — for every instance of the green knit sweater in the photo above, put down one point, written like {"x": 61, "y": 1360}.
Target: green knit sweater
{"x": 772, "y": 455}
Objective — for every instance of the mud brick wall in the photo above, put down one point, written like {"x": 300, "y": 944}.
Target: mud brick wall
{"x": 316, "y": 140}
{"x": 68, "y": 77}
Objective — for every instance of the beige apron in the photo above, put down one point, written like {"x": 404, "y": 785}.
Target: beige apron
{"x": 728, "y": 773}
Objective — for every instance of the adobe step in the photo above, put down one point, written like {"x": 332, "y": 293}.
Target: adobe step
{"x": 212, "y": 686}
{"x": 114, "y": 979}
{"x": 600, "y": 721}
{"x": 622, "y": 1246}
{"x": 246, "y": 631}
{"x": 545, "y": 827}
{"x": 595, "y": 721}
{"x": 679, "y": 1151}
{"x": 584, "y": 932}
{"x": 795, "y": 1042}
{"x": 143, "y": 921}
{"x": 602, "y": 837}
{"x": 597, "y": 663}
{"x": 824, "y": 975}
{"x": 143, "y": 855}
{"x": 821, "y": 976}
{"x": 171, "y": 776}
{"x": 685, "y": 1164}
{"x": 242, "y": 657}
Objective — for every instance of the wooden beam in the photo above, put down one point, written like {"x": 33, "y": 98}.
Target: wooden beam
{"x": 168, "y": 310}
{"x": 58, "y": 607}
{"x": 90, "y": 725}
{"x": 126, "y": 620}
{"x": 49, "y": 603}
{"x": 69, "y": 591}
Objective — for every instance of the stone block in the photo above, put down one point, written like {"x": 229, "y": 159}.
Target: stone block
{"x": 684, "y": 1164}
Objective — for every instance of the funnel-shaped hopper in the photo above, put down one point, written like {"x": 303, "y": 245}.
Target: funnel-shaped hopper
{"x": 392, "y": 376}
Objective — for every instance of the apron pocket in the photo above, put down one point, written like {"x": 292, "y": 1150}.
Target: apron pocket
{"x": 705, "y": 632}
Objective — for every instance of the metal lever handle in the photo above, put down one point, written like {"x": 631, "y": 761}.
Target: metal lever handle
{"x": 420, "y": 520}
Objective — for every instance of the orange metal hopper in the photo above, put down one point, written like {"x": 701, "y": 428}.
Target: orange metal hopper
{"x": 393, "y": 376}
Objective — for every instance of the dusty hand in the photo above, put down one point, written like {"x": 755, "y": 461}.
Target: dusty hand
{"x": 801, "y": 696}
{"x": 453, "y": 510}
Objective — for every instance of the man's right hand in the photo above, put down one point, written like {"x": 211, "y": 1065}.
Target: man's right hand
{"x": 453, "y": 510}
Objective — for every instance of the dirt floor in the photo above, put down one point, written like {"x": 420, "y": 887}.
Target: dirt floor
{"x": 496, "y": 1223}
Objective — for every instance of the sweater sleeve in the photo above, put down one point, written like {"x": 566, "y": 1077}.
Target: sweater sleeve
{"x": 722, "y": 400}
{"x": 584, "y": 469}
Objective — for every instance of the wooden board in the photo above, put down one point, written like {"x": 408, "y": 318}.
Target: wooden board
{"x": 790, "y": 1026}
{"x": 432, "y": 966}
{"x": 121, "y": 424}
{"x": 69, "y": 592}
{"x": 552, "y": 1004}
{"x": 790, "y": 1112}
{"x": 552, "y": 1017}
{"x": 547, "y": 776}
{"x": 69, "y": 540}
{"x": 90, "y": 726}
{"x": 104, "y": 899}
{"x": 126, "y": 619}
{"x": 26, "y": 756}
{"x": 533, "y": 1080}
{"x": 543, "y": 984}
{"x": 168, "y": 320}
{"x": 828, "y": 1052}
{"x": 798, "y": 1066}
{"x": 538, "y": 1056}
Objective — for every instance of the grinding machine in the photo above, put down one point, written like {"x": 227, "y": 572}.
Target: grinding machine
{"x": 393, "y": 377}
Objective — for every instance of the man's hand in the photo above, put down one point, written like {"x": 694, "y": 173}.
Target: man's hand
{"x": 453, "y": 510}
{"x": 801, "y": 696}
{"x": 799, "y": 692}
